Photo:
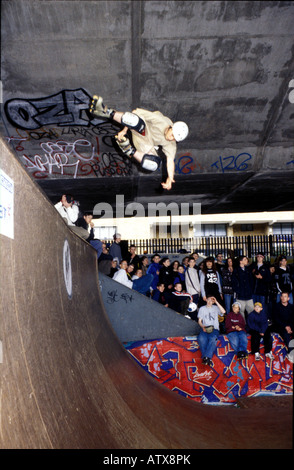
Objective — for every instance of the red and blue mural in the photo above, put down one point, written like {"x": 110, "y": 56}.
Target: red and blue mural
{"x": 177, "y": 364}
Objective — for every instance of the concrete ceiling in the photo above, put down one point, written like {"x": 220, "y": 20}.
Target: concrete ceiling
{"x": 223, "y": 67}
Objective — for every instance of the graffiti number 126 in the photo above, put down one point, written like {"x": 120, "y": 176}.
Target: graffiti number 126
{"x": 238, "y": 163}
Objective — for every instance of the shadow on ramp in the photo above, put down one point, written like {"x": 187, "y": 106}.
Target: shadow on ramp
{"x": 66, "y": 380}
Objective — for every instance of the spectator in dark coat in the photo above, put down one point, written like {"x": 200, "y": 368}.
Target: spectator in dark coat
{"x": 284, "y": 319}
{"x": 261, "y": 281}
{"x": 242, "y": 283}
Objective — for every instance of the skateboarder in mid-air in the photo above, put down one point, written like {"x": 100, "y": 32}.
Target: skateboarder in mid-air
{"x": 150, "y": 130}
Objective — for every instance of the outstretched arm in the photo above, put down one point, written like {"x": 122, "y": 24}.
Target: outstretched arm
{"x": 170, "y": 166}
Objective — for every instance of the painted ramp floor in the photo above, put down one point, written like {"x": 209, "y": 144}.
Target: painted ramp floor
{"x": 176, "y": 363}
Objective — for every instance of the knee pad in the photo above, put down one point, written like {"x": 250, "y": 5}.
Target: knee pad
{"x": 133, "y": 121}
{"x": 150, "y": 162}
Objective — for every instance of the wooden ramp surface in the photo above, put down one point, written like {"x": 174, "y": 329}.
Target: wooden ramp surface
{"x": 66, "y": 382}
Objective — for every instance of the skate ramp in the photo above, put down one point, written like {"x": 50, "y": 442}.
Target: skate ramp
{"x": 66, "y": 381}
{"x": 136, "y": 317}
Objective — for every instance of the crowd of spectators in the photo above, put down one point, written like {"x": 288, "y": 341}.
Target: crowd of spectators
{"x": 231, "y": 296}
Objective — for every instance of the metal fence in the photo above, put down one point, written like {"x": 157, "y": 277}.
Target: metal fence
{"x": 271, "y": 245}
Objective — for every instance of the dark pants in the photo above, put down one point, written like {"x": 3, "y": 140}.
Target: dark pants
{"x": 286, "y": 336}
{"x": 255, "y": 341}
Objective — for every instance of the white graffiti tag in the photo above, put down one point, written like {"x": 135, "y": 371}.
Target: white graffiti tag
{"x": 61, "y": 154}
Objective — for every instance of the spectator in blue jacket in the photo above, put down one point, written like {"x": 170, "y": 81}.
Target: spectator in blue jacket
{"x": 258, "y": 328}
{"x": 154, "y": 269}
{"x": 180, "y": 277}
{"x": 160, "y": 295}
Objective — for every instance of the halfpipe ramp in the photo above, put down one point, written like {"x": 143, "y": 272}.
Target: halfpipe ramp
{"x": 66, "y": 381}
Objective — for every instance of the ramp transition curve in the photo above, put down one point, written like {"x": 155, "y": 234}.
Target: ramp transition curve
{"x": 66, "y": 381}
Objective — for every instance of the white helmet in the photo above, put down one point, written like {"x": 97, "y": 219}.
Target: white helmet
{"x": 180, "y": 130}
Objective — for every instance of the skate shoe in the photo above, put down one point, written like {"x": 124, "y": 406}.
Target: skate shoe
{"x": 98, "y": 109}
{"x": 125, "y": 146}
{"x": 257, "y": 356}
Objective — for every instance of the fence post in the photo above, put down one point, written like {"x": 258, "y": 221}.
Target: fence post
{"x": 249, "y": 246}
{"x": 270, "y": 241}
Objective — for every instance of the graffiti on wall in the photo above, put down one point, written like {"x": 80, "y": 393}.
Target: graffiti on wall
{"x": 74, "y": 158}
{"x": 56, "y": 136}
{"x": 66, "y": 108}
{"x": 239, "y": 163}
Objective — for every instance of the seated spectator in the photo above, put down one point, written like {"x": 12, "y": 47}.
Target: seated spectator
{"x": 121, "y": 275}
{"x": 68, "y": 209}
{"x": 86, "y": 223}
{"x": 137, "y": 274}
{"x": 180, "y": 277}
{"x": 141, "y": 285}
{"x": 179, "y": 300}
{"x": 258, "y": 328}
{"x": 283, "y": 319}
{"x": 236, "y": 331}
{"x": 159, "y": 295}
{"x": 192, "y": 280}
{"x": 114, "y": 268}
{"x": 208, "y": 316}
{"x": 130, "y": 270}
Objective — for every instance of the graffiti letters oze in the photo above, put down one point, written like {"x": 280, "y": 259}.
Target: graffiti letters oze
{"x": 66, "y": 140}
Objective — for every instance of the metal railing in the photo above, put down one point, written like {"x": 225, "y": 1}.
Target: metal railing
{"x": 270, "y": 245}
